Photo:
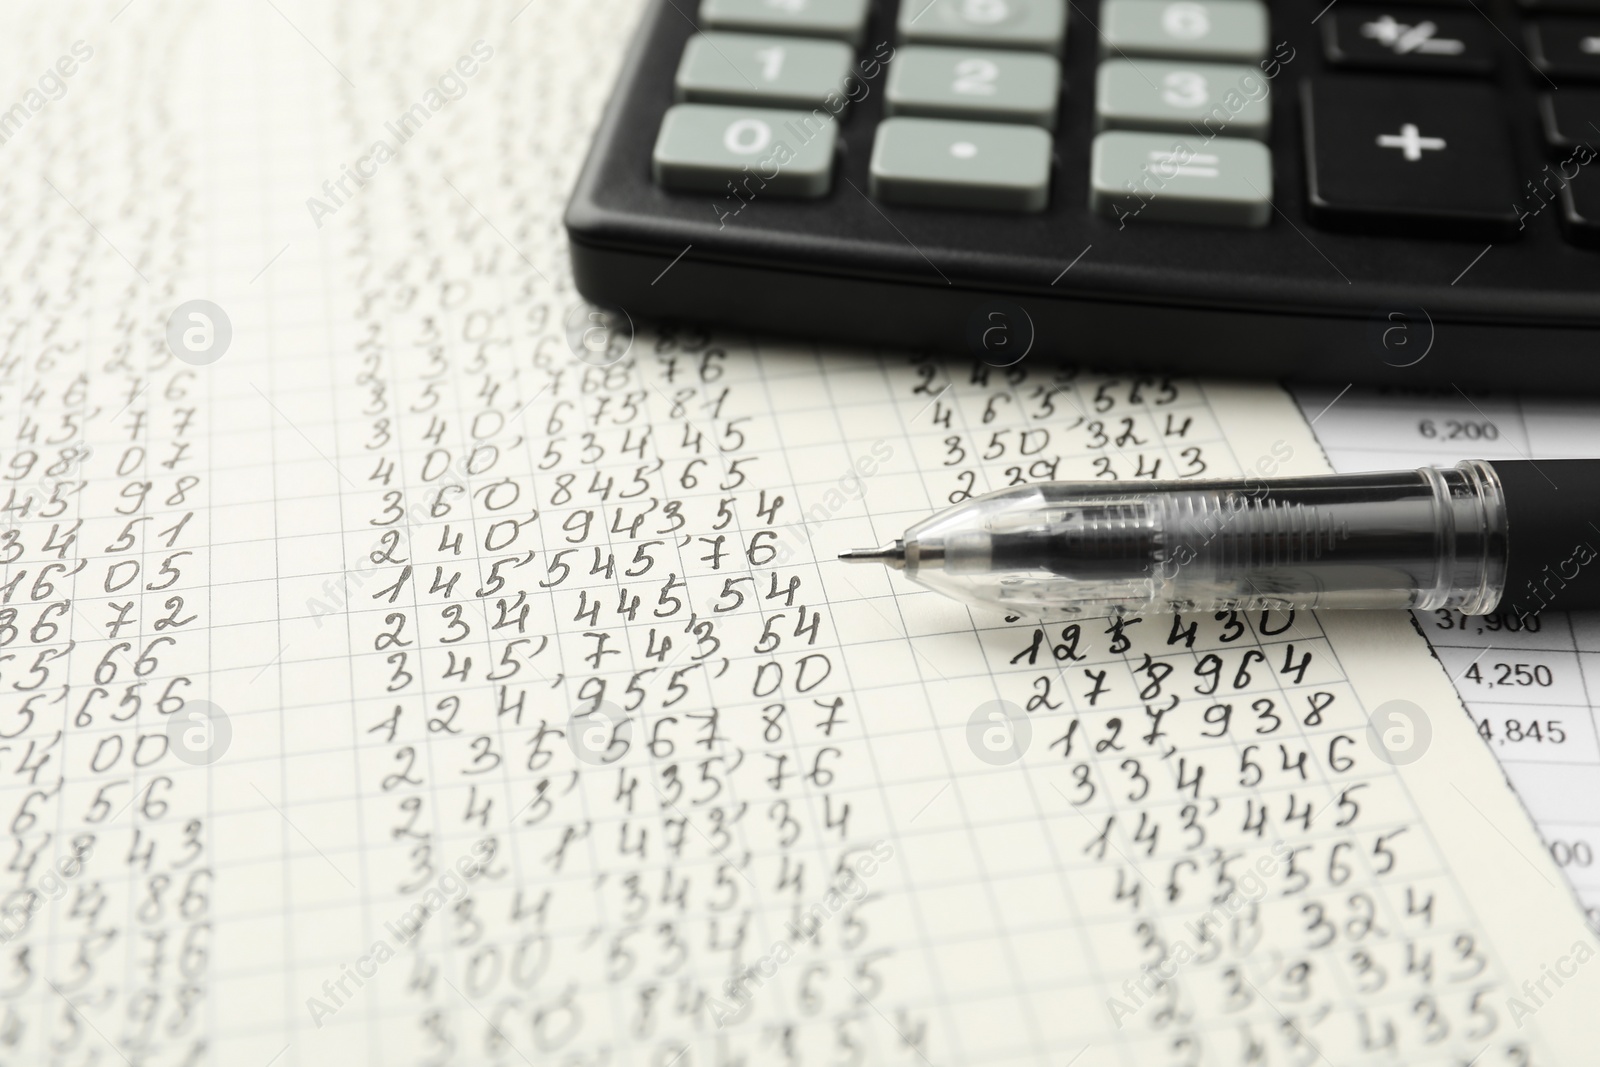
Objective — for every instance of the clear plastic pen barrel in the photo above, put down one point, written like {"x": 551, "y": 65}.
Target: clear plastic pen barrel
{"x": 1424, "y": 539}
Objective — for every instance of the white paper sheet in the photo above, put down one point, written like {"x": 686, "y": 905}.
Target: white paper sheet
{"x": 1532, "y": 691}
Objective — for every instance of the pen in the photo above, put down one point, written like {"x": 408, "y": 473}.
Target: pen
{"x": 1474, "y": 538}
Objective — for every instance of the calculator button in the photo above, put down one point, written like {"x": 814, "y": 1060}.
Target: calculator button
{"x": 765, "y": 152}
{"x": 943, "y": 163}
{"x": 1566, "y": 47}
{"x": 1210, "y": 98}
{"x": 1220, "y": 181}
{"x": 970, "y": 83}
{"x": 1445, "y": 42}
{"x": 744, "y": 68}
{"x": 1580, "y": 210}
{"x": 1184, "y": 29}
{"x": 1570, "y": 118}
{"x": 1040, "y": 25}
{"x": 844, "y": 19}
{"x": 1393, "y": 154}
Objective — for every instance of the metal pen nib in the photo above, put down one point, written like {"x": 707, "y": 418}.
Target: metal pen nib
{"x": 890, "y": 555}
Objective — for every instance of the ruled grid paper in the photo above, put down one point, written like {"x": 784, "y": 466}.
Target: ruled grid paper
{"x": 1539, "y": 722}
{"x": 403, "y": 688}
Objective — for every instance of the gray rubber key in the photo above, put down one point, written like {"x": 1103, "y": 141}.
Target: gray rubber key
{"x": 998, "y": 166}
{"x": 747, "y": 68}
{"x": 1040, "y": 25}
{"x": 1224, "y": 181}
{"x": 1207, "y": 98}
{"x": 970, "y": 83}
{"x": 1184, "y": 29}
{"x": 762, "y": 151}
{"x": 844, "y": 19}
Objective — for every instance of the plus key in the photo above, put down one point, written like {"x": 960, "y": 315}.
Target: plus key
{"x": 1410, "y": 141}
{"x": 1407, "y": 155}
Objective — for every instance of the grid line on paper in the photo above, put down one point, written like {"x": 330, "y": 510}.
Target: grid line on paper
{"x": 513, "y": 807}
{"x": 1426, "y": 831}
{"x": 932, "y": 706}
{"x": 738, "y": 526}
{"x": 859, "y": 711}
{"x": 433, "y": 797}
{"x": 336, "y": 388}
{"x": 592, "y": 845}
{"x": 978, "y": 627}
{"x": 1435, "y": 851}
{"x": 929, "y": 782}
{"x": 286, "y": 706}
{"x": 868, "y": 732}
{"x": 1071, "y": 395}
{"x": 211, "y": 632}
{"x": 1080, "y": 921}
{"x": 285, "y": 846}
{"x": 50, "y": 955}
{"x": 1326, "y": 647}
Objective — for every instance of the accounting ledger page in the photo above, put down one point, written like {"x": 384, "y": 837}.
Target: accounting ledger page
{"x": 392, "y": 670}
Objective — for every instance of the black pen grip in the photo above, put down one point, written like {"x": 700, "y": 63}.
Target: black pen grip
{"x": 1552, "y": 535}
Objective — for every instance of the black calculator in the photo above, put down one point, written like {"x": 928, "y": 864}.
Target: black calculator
{"x": 1335, "y": 190}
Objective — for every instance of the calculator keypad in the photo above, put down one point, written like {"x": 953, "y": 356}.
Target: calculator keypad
{"x": 946, "y": 163}
{"x": 974, "y": 83}
{"x": 1404, "y": 133}
{"x": 761, "y": 69}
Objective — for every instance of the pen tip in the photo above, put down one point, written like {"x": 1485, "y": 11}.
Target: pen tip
{"x": 893, "y": 555}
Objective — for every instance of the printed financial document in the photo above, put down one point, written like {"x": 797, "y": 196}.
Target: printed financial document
{"x": 1533, "y": 688}
{"x": 402, "y": 664}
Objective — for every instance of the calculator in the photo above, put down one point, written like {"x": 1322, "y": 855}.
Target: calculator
{"x": 1342, "y": 191}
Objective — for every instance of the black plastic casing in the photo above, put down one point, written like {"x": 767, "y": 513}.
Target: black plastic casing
{"x": 1552, "y": 535}
{"x": 1288, "y": 301}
